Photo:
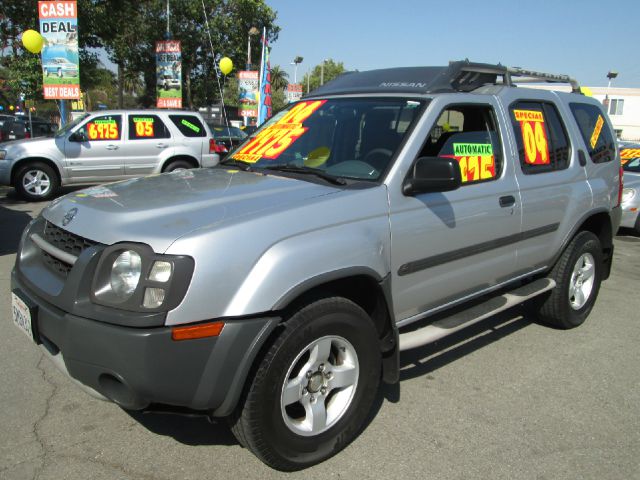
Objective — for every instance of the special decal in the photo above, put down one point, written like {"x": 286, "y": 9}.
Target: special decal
{"x": 534, "y": 136}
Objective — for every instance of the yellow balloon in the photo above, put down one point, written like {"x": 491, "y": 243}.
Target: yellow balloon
{"x": 32, "y": 41}
{"x": 226, "y": 65}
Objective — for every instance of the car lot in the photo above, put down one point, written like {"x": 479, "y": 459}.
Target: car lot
{"x": 506, "y": 399}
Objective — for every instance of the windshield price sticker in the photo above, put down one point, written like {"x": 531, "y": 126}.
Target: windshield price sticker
{"x": 275, "y": 139}
{"x": 596, "y": 131}
{"x": 144, "y": 126}
{"x": 103, "y": 130}
{"x": 534, "y": 136}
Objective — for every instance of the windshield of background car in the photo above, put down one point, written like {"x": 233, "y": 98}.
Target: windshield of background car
{"x": 353, "y": 138}
{"x": 70, "y": 125}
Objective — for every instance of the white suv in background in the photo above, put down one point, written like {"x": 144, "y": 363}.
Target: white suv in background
{"x": 106, "y": 146}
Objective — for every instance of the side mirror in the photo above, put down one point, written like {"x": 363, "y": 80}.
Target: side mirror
{"x": 78, "y": 136}
{"x": 433, "y": 174}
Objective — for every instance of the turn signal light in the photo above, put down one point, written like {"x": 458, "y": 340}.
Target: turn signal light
{"x": 197, "y": 331}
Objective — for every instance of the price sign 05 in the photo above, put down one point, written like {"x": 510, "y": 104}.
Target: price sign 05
{"x": 534, "y": 136}
{"x": 144, "y": 127}
{"x": 103, "y": 130}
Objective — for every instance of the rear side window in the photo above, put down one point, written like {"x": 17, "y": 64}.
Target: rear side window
{"x": 189, "y": 125}
{"x": 595, "y": 132}
{"x": 468, "y": 134}
{"x": 542, "y": 140}
{"x": 143, "y": 127}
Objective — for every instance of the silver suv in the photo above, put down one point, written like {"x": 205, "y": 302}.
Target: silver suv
{"x": 104, "y": 146}
{"x": 383, "y": 212}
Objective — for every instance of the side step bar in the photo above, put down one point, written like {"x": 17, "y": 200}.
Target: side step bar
{"x": 458, "y": 321}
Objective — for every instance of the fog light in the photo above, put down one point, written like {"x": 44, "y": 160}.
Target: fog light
{"x": 153, "y": 297}
{"x": 160, "y": 272}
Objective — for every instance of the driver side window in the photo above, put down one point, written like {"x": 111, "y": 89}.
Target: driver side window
{"x": 469, "y": 134}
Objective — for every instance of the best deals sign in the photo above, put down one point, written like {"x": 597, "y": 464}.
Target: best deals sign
{"x": 60, "y": 69}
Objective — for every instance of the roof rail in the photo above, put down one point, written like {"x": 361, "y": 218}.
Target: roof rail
{"x": 473, "y": 75}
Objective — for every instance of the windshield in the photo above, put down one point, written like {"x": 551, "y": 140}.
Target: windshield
{"x": 70, "y": 125}
{"x": 632, "y": 165}
{"x": 352, "y": 138}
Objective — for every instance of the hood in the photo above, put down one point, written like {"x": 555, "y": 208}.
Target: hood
{"x": 16, "y": 147}
{"x": 158, "y": 209}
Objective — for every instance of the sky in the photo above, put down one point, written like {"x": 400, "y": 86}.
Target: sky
{"x": 584, "y": 39}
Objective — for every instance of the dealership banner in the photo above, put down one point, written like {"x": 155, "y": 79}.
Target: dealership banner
{"x": 169, "y": 74}
{"x": 293, "y": 93}
{"x": 248, "y": 83}
{"x": 59, "y": 29}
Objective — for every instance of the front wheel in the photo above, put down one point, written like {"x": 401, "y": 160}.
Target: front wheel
{"x": 578, "y": 274}
{"x": 36, "y": 182}
{"x": 314, "y": 388}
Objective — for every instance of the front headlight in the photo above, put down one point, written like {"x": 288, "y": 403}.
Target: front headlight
{"x": 133, "y": 277}
{"x": 125, "y": 274}
{"x": 628, "y": 194}
{"x": 3, "y": 154}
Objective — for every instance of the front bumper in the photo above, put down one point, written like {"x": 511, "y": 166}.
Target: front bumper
{"x": 138, "y": 367}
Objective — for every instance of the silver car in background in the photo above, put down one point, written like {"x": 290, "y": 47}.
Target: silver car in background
{"x": 631, "y": 195}
{"x": 105, "y": 146}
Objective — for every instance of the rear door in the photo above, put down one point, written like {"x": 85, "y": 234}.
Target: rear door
{"x": 148, "y": 141}
{"x": 98, "y": 158}
{"x": 447, "y": 246}
{"x": 194, "y": 138}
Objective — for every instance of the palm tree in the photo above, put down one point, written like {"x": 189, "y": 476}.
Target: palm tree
{"x": 278, "y": 78}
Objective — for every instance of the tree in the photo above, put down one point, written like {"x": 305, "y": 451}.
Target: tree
{"x": 278, "y": 78}
{"x": 330, "y": 71}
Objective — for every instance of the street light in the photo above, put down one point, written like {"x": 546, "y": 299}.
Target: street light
{"x": 610, "y": 75}
{"x": 296, "y": 62}
{"x": 322, "y": 71}
{"x": 252, "y": 32}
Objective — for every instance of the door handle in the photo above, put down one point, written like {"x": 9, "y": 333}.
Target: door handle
{"x": 507, "y": 201}
{"x": 112, "y": 147}
{"x": 161, "y": 145}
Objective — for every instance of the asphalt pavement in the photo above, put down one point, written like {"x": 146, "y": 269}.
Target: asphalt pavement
{"x": 507, "y": 399}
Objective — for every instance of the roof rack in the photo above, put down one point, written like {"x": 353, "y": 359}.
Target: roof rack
{"x": 474, "y": 75}
{"x": 459, "y": 76}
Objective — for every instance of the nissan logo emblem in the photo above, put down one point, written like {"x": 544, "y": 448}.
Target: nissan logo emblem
{"x": 69, "y": 216}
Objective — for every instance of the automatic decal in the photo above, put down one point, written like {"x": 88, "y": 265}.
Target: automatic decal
{"x": 276, "y": 138}
{"x": 534, "y": 136}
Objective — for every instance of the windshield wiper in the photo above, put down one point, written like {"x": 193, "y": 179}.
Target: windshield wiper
{"x": 307, "y": 171}
{"x": 244, "y": 166}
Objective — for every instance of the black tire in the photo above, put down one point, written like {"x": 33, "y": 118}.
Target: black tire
{"x": 177, "y": 164}
{"x": 36, "y": 182}
{"x": 578, "y": 274}
{"x": 279, "y": 431}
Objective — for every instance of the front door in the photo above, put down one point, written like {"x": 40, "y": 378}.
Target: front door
{"x": 448, "y": 246}
{"x": 96, "y": 157}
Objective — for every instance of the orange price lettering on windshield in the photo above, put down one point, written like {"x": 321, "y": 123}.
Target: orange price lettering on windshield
{"x": 102, "y": 130}
{"x": 534, "y": 136}
{"x": 275, "y": 139}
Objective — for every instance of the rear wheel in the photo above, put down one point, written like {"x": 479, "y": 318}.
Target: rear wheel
{"x": 578, "y": 274}
{"x": 315, "y": 386}
{"x": 177, "y": 165}
{"x": 36, "y": 182}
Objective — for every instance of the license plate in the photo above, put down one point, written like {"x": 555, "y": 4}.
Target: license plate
{"x": 21, "y": 315}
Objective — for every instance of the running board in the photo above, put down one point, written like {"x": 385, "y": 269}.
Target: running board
{"x": 458, "y": 321}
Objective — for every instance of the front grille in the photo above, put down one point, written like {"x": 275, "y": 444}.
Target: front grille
{"x": 65, "y": 241}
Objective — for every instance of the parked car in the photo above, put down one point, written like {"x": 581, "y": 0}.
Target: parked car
{"x": 167, "y": 82}
{"x": 60, "y": 66}
{"x": 230, "y": 137}
{"x": 628, "y": 151}
{"x": 631, "y": 195}
{"x": 104, "y": 146}
{"x": 383, "y": 212}
{"x": 16, "y": 128}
